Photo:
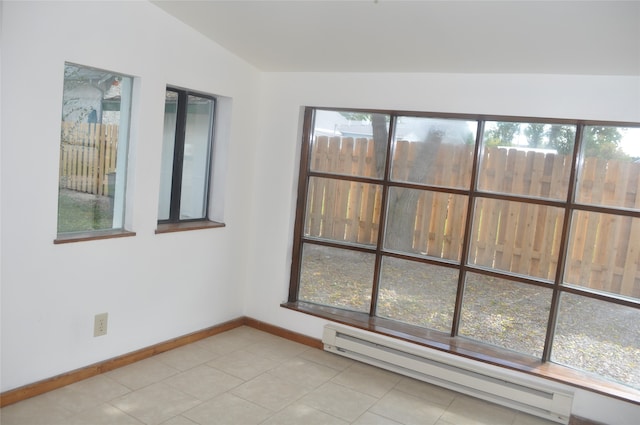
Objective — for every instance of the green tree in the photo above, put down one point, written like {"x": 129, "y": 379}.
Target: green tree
{"x": 562, "y": 138}
{"x": 600, "y": 142}
{"x": 603, "y": 142}
{"x": 502, "y": 134}
{"x": 535, "y": 134}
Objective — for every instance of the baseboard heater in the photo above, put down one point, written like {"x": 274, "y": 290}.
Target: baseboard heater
{"x": 477, "y": 379}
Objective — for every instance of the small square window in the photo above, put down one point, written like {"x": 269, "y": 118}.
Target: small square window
{"x": 93, "y": 150}
{"x": 186, "y": 156}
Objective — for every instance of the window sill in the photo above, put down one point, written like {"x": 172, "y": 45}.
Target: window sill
{"x": 188, "y": 225}
{"x": 91, "y": 236}
{"x": 470, "y": 349}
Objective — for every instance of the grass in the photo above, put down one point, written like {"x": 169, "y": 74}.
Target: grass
{"x": 82, "y": 212}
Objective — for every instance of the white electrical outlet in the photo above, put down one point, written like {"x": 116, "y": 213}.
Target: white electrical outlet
{"x": 100, "y": 324}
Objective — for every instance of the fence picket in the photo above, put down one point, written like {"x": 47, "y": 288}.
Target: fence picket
{"x": 368, "y": 226}
{"x": 511, "y": 236}
{"x": 630, "y": 280}
{"x": 358, "y": 168}
{"x": 112, "y": 142}
{"x": 400, "y": 162}
{"x": 87, "y": 155}
{"x": 103, "y": 166}
{"x": 329, "y": 218}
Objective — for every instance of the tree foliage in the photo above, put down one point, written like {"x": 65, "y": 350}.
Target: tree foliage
{"x": 356, "y": 116}
{"x": 503, "y": 134}
{"x": 562, "y": 138}
{"x": 603, "y": 142}
{"x": 535, "y": 134}
{"x": 598, "y": 141}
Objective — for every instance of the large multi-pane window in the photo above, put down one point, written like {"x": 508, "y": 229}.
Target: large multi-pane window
{"x": 93, "y": 150}
{"x": 517, "y": 234}
{"x": 186, "y": 156}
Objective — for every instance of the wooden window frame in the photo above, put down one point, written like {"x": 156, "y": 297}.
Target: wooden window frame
{"x": 452, "y": 342}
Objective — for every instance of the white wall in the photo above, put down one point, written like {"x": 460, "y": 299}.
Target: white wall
{"x": 154, "y": 287}
{"x": 157, "y": 287}
{"x": 585, "y": 97}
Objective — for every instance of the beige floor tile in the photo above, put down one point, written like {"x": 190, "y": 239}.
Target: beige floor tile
{"x": 71, "y": 399}
{"x": 270, "y": 391}
{"x": 466, "y": 410}
{"x": 227, "y": 409}
{"x": 426, "y": 391}
{"x": 179, "y": 420}
{"x": 339, "y": 401}
{"x": 253, "y": 334}
{"x": 142, "y": 373}
{"x": 34, "y": 411}
{"x": 304, "y": 372}
{"x": 155, "y": 403}
{"x": 328, "y": 359}
{"x": 369, "y": 418}
{"x": 245, "y": 377}
{"x": 186, "y": 357}
{"x": 367, "y": 379}
{"x": 103, "y": 414}
{"x": 525, "y": 419}
{"x": 299, "y": 414}
{"x": 443, "y": 422}
{"x": 101, "y": 387}
{"x": 243, "y": 364}
{"x": 279, "y": 349}
{"x": 225, "y": 342}
{"x": 407, "y": 409}
{"x": 203, "y": 382}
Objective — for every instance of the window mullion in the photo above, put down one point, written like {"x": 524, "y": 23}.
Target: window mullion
{"x": 383, "y": 217}
{"x": 301, "y": 206}
{"x": 564, "y": 242}
{"x": 178, "y": 157}
{"x": 457, "y": 311}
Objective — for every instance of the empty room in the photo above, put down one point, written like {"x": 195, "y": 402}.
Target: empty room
{"x": 331, "y": 212}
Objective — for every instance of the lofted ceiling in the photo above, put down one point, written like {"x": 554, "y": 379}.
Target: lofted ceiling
{"x": 544, "y": 37}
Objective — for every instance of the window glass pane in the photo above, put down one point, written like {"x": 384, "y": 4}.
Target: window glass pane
{"x": 610, "y": 171}
{"x": 343, "y": 210}
{"x": 350, "y": 143}
{"x": 168, "y": 144}
{"x": 336, "y": 277}
{"x": 516, "y": 237}
{"x": 436, "y": 152}
{"x": 527, "y": 159}
{"x": 417, "y": 293}
{"x": 505, "y": 313}
{"x": 425, "y": 223}
{"x": 527, "y": 167}
{"x": 93, "y": 149}
{"x": 604, "y": 253}
{"x": 195, "y": 170}
{"x": 600, "y": 337}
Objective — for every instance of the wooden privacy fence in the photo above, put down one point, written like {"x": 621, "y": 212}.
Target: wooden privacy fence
{"x": 88, "y": 156}
{"x": 604, "y": 250}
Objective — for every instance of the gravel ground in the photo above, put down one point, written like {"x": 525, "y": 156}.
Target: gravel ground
{"x": 590, "y": 335}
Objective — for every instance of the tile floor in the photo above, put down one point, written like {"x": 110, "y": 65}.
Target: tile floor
{"x": 244, "y": 377}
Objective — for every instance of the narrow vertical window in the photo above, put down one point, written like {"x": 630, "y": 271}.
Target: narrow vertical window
{"x": 186, "y": 156}
{"x": 93, "y": 150}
